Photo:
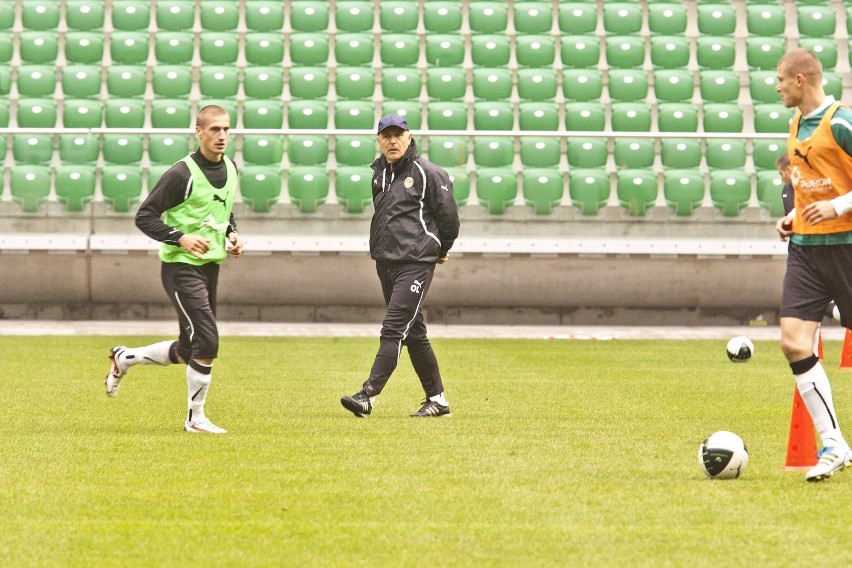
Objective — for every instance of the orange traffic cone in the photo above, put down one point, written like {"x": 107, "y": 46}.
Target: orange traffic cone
{"x": 846, "y": 356}
{"x": 801, "y": 443}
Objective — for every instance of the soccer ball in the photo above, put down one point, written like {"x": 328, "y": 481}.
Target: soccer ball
{"x": 723, "y": 456}
{"x": 740, "y": 349}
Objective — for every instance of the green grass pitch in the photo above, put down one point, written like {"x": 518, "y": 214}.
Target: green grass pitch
{"x": 558, "y": 453}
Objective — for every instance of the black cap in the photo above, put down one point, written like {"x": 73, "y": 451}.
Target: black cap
{"x": 392, "y": 120}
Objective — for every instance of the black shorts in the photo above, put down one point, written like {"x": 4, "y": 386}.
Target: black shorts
{"x": 192, "y": 291}
{"x": 815, "y": 276}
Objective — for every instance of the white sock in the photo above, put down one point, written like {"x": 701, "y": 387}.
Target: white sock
{"x": 815, "y": 389}
{"x": 154, "y": 354}
{"x": 197, "y": 384}
{"x": 439, "y": 398}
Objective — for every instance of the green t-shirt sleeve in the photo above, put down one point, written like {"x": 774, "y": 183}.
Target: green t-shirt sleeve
{"x": 841, "y": 128}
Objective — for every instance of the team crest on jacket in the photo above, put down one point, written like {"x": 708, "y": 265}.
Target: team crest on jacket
{"x": 409, "y": 181}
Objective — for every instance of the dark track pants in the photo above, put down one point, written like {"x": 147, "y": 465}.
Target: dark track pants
{"x": 404, "y": 286}
{"x": 192, "y": 291}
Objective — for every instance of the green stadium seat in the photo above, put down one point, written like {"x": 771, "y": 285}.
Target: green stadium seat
{"x": 32, "y": 149}
{"x": 123, "y": 149}
{"x": 716, "y": 19}
{"x": 171, "y": 113}
{"x": 578, "y": 18}
{"x": 125, "y": 113}
{"x": 81, "y": 81}
{"x": 762, "y": 87}
{"x": 263, "y": 83}
{"x": 637, "y": 190}
{"x": 266, "y": 49}
{"x": 540, "y": 116}
{"x": 680, "y": 153}
{"x": 82, "y": 113}
{"x": 666, "y": 19}
{"x": 684, "y": 190}
{"x": 219, "y": 48}
{"x": 353, "y": 187}
{"x": 849, "y": 20}
{"x": 129, "y": 48}
{"x": 354, "y": 49}
{"x": 493, "y": 115}
{"x": 719, "y": 86}
{"x": 40, "y": 15}
{"x": 832, "y": 84}
{"x": 492, "y": 84}
{"x": 533, "y": 17}
{"x": 309, "y": 49}
{"x": 7, "y": 14}
{"x": 402, "y": 84}
{"x": 30, "y": 186}
{"x": 154, "y": 173}
{"x": 770, "y": 117}
{"x": 633, "y": 153}
{"x": 4, "y": 119}
{"x": 730, "y": 191}
{"x": 174, "y": 48}
{"x": 817, "y": 21}
{"x": 537, "y": 84}
{"x": 262, "y": 149}
{"x": 131, "y": 15}
{"x": 627, "y": 85}
{"x": 443, "y": 50}
{"x": 723, "y": 117}
{"x": 632, "y": 117}
{"x": 445, "y": 83}
{"x": 677, "y": 117}
{"x": 79, "y": 148}
{"x": 580, "y": 51}
{"x": 36, "y": 113}
{"x": 308, "y": 187}
{"x": 176, "y": 15}
{"x": 542, "y": 189}
{"x": 625, "y": 51}
{"x": 715, "y": 52}
{"x": 220, "y": 15}
{"x": 535, "y": 51}
{"x": 7, "y": 49}
{"x": 447, "y": 151}
{"x": 765, "y": 20}
{"x": 38, "y": 47}
{"x": 263, "y": 113}
{"x": 490, "y": 50}
{"x": 769, "y": 187}
{"x": 167, "y": 148}
{"x": 585, "y": 116}
{"x": 764, "y": 52}
{"x": 669, "y": 52}
{"x": 309, "y": 16}
{"x": 411, "y": 111}
{"x": 355, "y": 150}
{"x": 622, "y": 18}
{"x": 264, "y": 16}
{"x": 75, "y": 185}
{"x": 488, "y": 17}
{"x": 354, "y": 115}
{"x": 540, "y": 152}
{"x": 126, "y": 81}
{"x": 446, "y": 116}
{"x": 588, "y": 189}
{"x": 84, "y": 47}
{"x": 493, "y": 152}
{"x": 824, "y": 48}
{"x": 673, "y": 85}
{"x": 307, "y": 150}
{"x": 121, "y": 186}
{"x": 496, "y": 189}
{"x": 400, "y": 50}
{"x": 308, "y": 114}
{"x": 725, "y": 153}
{"x": 5, "y": 89}
{"x": 218, "y": 81}
{"x": 461, "y": 185}
{"x": 36, "y": 81}
{"x": 354, "y": 83}
{"x": 308, "y": 83}
{"x": 587, "y": 153}
{"x": 765, "y": 153}
{"x": 354, "y": 16}
{"x": 399, "y": 17}
{"x": 442, "y": 17}
{"x": 582, "y": 85}
{"x": 260, "y": 186}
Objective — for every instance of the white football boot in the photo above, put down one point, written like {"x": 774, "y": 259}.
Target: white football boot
{"x": 203, "y": 426}
{"x": 831, "y": 459}
{"x": 113, "y": 378}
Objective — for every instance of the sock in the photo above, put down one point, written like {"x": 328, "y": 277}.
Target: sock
{"x": 815, "y": 389}
{"x": 439, "y": 398}
{"x": 198, "y": 381}
{"x": 154, "y": 354}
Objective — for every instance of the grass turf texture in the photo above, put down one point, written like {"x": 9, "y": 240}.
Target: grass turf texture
{"x": 558, "y": 453}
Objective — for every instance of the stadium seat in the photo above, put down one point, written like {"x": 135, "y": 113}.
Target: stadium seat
{"x": 493, "y": 115}
{"x": 669, "y": 52}
{"x": 637, "y": 190}
{"x": 176, "y": 15}
{"x": 219, "y": 48}
{"x": 490, "y": 50}
{"x": 824, "y": 48}
{"x": 264, "y": 49}
{"x": 716, "y": 19}
{"x": 461, "y": 185}
{"x": 40, "y": 15}
{"x": 446, "y": 116}
{"x": 762, "y": 87}
{"x": 401, "y": 84}
{"x": 354, "y": 115}
{"x": 677, "y": 117}
{"x": 84, "y": 47}
{"x": 307, "y": 150}
{"x": 167, "y": 148}
{"x": 765, "y": 20}
{"x": 308, "y": 114}
{"x": 633, "y": 153}
{"x": 220, "y": 15}
{"x": 263, "y": 113}
{"x": 32, "y": 149}
{"x": 353, "y": 16}
{"x": 447, "y": 151}
{"x": 262, "y": 149}
{"x": 442, "y": 17}
{"x": 308, "y": 187}
{"x": 355, "y": 150}
{"x": 411, "y": 111}
{"x": 832, "y": 84}
{"x": 666, "y": 19}
{"x": 400, "y": 50}
{"x": 444, "y": 50}
{"x": 445, "y": 83}
{"x": 121, "y": 186}
{"x": 399, "y": 17}
{"x": 533, "y": 17}
{"x": 30, "y": 186}
{"x": 540, "y": 152}
{"x": 537, "y": 84}
{"x": 308, "y": 49}
{"x": 492, "y": 84}
{"x": 540, "y": 115}
{"x": 535, "y": 51}
{"x": 496, "y": 189}
{"x": 7, "y": 14}
{"x": 719, "y": 86}
{"x": 126, "y": 81}
{"x": 38, "y": 47}
{"x": 765, "y": 153}
{"x": 622, "y": 18}
{"x": 218, "y": 81}
{"x": 82, "y": 113}
{"x": 684, "y": 190}
{"x": 582, "y": 85}
{"x": 171, "y": 113}
{"x": 353, "y": 188}
{"x": 587, "y": 153}
{"x": 625, "y": 51}
{"x": 264, "y": 16}
{"x": 122, "y": 149}
{"x": 308, "y": 83}
{"x": 174, "y": 48}
{"x": 354, "y": 49}
{"x": 488, "y": 17}
{"x": 36, "y": 113}
{"x": 772, "y": 118}
{"x": 309, "y": 16}
{"x": 769, "y": 187}
{"x": 154, "y": 172}
{"x": 493, "y": 152}
{"x": 627, "y": 85}
{"x": 584, "y": 116}
{"x": 578, "y": 18}
{"x": 588, "y": 189}
{"x": 723, "y": 117}
{"x": 715, "y": 52}
{"x": 125, "y": 113}
{"x": 7, "y": 49}
{"x": 4, "y": 121}
{"x": 673, "y": 85}
{"x": 680, "y": 153}
{"x": 633, "y": 117}
{"x": 75, "y": 185}
{"x": 354, "y": 83}
{"x": 79, "y": 148}
{"x": 263, "y": 83}
{"x": 579, "y": 51}
{"x": 542, "y": 189}
{"x": 81, "y": 81}
{"x": 260, "y": 186}
{"x": 725, "y": 153}
{"x": 816, "y": 21}
{"x": 129, "y": 48}
{"x": 764, "y": 52}
{"x": 131, "y": 15}
{"x": 730, "y": 191}
{"x": 36, "y": 81}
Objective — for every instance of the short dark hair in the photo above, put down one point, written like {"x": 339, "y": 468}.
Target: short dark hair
{"x": 783, "y": 160}
{"x": 205, "y": 113}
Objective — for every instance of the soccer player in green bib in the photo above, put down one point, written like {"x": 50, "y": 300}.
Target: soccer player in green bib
{"x": 189, "y": 212}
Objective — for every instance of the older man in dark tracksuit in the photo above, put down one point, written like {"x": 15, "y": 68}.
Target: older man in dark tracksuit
{"x": 414, "y": 225}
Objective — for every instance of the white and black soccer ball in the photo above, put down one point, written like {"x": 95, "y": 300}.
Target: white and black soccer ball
{"x": 740, "y": 349}
{"x": 723, "y": 455}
